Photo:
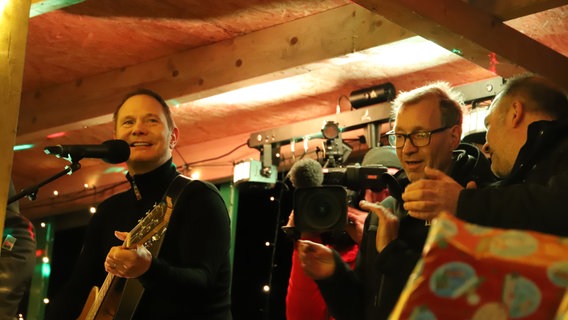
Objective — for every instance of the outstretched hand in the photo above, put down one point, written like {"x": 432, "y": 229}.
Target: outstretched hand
{"x": 426, "y": 198}
{"x": 127, "y": 262}
{"x": 388, "y": 223}
{"x": 316, "y": 259}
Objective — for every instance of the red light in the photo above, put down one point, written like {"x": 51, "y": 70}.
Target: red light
{"x": 56, "y": 135}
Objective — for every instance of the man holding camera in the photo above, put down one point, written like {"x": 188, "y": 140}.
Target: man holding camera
{"x": 426, "y": 133}
{"x": 303, "y": 299}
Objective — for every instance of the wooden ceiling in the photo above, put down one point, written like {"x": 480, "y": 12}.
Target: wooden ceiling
{"x": 232, "y": 68}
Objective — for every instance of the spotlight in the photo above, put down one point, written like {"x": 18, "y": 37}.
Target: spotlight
{"x": 330, "y": 130}
{"x": 373, "y": 95}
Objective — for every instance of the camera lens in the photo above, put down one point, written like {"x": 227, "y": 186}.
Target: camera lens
{"x": 322, "y": 208}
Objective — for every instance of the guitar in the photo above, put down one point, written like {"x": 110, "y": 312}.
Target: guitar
{"x": 102, "y": 303}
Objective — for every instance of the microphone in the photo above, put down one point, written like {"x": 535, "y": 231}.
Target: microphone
{"x": 306, "y": 172}
{"x": 111, "y": 151}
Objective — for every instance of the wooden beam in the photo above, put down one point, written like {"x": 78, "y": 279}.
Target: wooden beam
{"x": 13, "y": 36}
{"x": 277, "y": 51}
{"x": 475, "y": 35}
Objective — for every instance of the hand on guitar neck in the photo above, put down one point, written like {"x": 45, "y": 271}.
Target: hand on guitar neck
{"x": 127, "y": 262}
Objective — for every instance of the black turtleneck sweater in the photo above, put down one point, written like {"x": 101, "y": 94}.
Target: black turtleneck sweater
{"x": 190, "y": 277}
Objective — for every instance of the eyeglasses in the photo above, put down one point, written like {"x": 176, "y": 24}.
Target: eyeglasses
{"x": 418, "y": 138}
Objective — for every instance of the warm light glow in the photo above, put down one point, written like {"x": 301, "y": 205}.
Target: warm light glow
{"x": 55, "y": 193}
{"x": 282, "y": 89}
{"x": 45, "y": 300}
{"x": 272, "y": 198}
{"x": 45, "y": 259}
{"x": 267, "y": 244}
{"x": 93, "y": 210}
{"x": 195, "y": 175}
{"x": 266, "y": 288}
{"x": 414, "y": 53}
{"x": 2, "y": 6}
{"x": 42, "y": 224}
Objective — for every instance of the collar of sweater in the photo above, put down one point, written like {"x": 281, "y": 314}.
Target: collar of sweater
{"x": 155, "y": 181}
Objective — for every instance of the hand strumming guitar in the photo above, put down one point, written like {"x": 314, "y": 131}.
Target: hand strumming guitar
{"x": 127, "y": 262}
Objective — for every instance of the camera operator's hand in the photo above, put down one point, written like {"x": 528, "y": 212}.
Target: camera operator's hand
{"x": 355, "y": 223}
{"x": 388, "y": 223}
{"x": 316, "y": 259}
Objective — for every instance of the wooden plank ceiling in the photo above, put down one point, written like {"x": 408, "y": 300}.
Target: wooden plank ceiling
{"x": 234, "y": 67}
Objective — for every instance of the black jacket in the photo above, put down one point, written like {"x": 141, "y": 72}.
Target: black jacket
{"x": 190, "y": 277}
{"x": 372, "y": 289}
{"x": 533, "y": 196}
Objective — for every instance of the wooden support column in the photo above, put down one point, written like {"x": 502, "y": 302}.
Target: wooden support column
{"x": 14, "y": 17}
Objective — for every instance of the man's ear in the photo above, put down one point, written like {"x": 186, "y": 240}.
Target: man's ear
{"x": 455, "y": 134}
{"x": 517, "y": 113}
{"x": 174, "y": 136}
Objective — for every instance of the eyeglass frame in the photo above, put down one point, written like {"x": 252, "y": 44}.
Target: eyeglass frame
{"x": 408, "y": 136}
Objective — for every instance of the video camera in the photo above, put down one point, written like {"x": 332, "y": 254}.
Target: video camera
{"x": 324, "y": 207}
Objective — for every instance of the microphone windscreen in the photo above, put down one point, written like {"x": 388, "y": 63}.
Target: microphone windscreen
{"x": 306, "y": 172}
{"x": 119, "y": 151}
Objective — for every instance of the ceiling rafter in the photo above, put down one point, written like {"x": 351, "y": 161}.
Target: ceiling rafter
{"x": 209, "y": 69}
{"x": 449, "y": 23}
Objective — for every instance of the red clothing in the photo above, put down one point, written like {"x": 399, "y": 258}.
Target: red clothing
{"x": 303, "y": 299}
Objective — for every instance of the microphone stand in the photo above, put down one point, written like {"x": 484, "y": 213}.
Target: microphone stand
{"x": 32, "y": 191}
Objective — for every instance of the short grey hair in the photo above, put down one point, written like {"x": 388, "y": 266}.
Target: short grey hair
{"x": 451, "y": 101}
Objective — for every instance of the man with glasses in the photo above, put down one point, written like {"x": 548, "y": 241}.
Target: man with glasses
{"x": 527, "y": 140}
{"x": 427, "y": 133}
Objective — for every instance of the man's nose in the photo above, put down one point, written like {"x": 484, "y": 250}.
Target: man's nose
{"x": 408, "y": 146}
{"x": 139, "y": 128}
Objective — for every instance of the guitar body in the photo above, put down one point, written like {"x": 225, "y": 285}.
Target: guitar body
{"x": 106, "y": 309}
{"x": 89, "y": 303}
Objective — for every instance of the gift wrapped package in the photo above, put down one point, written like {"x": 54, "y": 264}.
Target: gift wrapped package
{"x": 472, "y": 272}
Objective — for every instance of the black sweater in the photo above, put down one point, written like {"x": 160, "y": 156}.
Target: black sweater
{"x": 190, "y": 278}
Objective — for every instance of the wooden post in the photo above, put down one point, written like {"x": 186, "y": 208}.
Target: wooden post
{"x": 14, "y": 18}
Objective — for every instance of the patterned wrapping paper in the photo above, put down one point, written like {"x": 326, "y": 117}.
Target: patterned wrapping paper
{"x": 477, "y": 273}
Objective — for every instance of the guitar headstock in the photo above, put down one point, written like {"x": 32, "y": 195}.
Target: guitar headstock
{"x": 152, "y": 225}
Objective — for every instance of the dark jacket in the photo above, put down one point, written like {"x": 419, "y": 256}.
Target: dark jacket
{"x": 17, "y": 259}
{"x": 534, "y": 196}
{"x": 372, "y": 289}
{"x": 190, "y": 277}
